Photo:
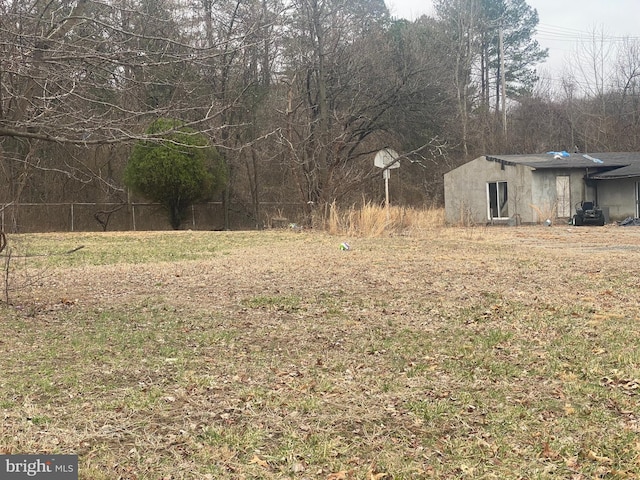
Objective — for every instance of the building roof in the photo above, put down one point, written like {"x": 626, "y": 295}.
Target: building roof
{"x": 629, "y": 171}
{"x": 604, "y": 165}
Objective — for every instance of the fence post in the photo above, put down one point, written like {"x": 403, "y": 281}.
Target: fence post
{"x": 133, "y": 216}
{"x": 72, "y": 217}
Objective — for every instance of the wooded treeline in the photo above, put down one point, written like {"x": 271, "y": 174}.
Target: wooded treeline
{"x": 297, "y": 95}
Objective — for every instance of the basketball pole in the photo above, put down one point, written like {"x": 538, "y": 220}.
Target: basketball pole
{"x": 386, "y": 173}
{"x": 386, "y": 159}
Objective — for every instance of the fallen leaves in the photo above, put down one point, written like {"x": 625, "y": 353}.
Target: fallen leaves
{"x": 629, "y": 386}
{"x": 378, "y": 476}
{"x": 548, "y": 452}
{"x": 341, "y": 475}
{"x": 315, "y": 376}
{"x": 591, "y": 455}
{"x": 372, "y": 474}
{"x": 256, "y": 460}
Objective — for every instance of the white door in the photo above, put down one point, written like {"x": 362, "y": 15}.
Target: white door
{"x": 563, "y": 196}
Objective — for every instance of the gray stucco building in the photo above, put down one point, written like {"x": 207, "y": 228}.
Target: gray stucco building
{"x": 531, "y": 188}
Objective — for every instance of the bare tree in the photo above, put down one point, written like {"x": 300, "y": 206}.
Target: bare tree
{"x": 459, "y": 20}
{"x": 79, "y": 80}
{"x": 352, "y": 82}
{"x": 298, "y": 95}
{"x": 627, "y": 86}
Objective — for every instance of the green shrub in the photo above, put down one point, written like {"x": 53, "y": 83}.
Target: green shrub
{"x": 176, "y": 167}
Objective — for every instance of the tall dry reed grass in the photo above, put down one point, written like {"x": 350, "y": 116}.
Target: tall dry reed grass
{"x": 371, "y": 220}
{"x": 545, "y": 211}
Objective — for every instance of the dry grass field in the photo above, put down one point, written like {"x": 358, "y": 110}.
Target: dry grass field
{"x": 507, "y": 353}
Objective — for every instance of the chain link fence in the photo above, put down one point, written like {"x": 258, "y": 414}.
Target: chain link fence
{"x": 87, "y": 217}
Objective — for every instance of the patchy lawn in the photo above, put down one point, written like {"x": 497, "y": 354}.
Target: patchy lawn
{"x": 461, "y": 353}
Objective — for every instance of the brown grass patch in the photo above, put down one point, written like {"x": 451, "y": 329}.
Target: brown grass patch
{"x": 450, "y": 353}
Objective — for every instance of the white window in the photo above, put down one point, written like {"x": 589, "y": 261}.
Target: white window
{"x": 497, "y": 200}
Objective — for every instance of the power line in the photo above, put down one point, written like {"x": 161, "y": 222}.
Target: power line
{"x": 561, "y": 33}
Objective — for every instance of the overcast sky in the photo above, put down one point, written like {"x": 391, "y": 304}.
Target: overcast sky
{"x": 562, "y": 23}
